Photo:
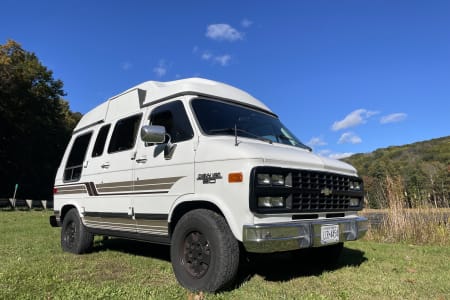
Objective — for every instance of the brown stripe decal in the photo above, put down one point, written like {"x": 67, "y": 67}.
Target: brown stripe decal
{"x": 145, "y": 186}
{"x": 72, "y": 189}
{"x": 115, "y": 189}
{"x": 157, "y": 180}
{"x": 164, "y": 186}
{"x": 115, "y": 184}
{"x": 91, "y": 189}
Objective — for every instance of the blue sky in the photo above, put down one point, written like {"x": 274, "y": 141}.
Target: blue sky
{"x": 344, "y": 76}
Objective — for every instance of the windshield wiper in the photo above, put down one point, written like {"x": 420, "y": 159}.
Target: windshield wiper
{"x": 296, "y": 143}
{"x": 236, "y": 130}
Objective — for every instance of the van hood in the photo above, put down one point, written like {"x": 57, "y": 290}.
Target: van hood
{"x": 222, "y": 148}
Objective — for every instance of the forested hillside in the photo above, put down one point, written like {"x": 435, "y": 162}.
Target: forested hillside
{"x": 35, "y": 124}
{"x": 418, "y": 174}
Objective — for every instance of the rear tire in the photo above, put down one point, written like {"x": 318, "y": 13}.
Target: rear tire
{"x": 204, "y": 252}
{"x": 74, "y": 236}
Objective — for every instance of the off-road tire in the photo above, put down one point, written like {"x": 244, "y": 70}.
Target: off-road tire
{"x": 74, "y": 236}
{"x": 204, "y": 252}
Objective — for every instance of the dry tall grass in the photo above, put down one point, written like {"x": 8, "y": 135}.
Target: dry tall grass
{"x": 420, "y": 225}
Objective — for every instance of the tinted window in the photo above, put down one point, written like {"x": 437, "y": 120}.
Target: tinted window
{"x": 124, "y": 134}
{"x": 76, "y": 157}
{"x": 174, "y": 118}
{"x": 220, "y": 118}
{"x": 100, "y": 141}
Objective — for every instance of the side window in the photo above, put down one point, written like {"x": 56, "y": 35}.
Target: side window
{"x": 124, "y": 134}
{"x": 74, "y": 165}
{"x": 174, "y": 118}
{"x": 99, "y": 145}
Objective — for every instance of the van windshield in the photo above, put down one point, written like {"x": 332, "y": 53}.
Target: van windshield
{"x": 220, "y": 118}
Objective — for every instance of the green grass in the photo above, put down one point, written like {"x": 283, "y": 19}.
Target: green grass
{"x": 33, "y": 266}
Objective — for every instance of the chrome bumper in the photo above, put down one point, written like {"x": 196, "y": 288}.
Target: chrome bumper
{"x": 266, "y": 238}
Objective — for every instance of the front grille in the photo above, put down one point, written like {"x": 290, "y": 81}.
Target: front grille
{"x": 315, "y": 202}
{"x": 311, "y": 180}
{"x": 308, "y": 191}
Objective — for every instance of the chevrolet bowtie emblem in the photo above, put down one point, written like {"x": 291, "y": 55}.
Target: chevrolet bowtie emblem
{"x": 326, "y": 191}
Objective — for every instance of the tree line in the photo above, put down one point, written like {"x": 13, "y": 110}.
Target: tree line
{"x": 35, "y": 124}
{"x": 417, "y": 174}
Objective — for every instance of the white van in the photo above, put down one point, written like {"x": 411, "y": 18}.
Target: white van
{"x": 207, "y": 169}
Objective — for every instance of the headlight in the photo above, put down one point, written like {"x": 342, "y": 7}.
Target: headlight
{"x": 270, "y": 202}
{"x": 277, "y": 179}
{"x": 264, "y": 179}
{"x": 270, "y": 190}
{"x": 271, "y": 179}
{"x": 355, "y": 185}
{"x": 354, "y": 202}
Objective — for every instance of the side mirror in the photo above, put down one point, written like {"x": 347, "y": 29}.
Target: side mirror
{"x": 154, "y": 134}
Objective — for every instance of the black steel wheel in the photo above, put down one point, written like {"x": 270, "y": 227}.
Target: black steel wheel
{"x": 204, "y": 252}
{"x": 74, "y": 236}
{"x": 197, "y": 254}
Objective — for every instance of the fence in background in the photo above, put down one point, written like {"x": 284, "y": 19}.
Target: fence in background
{"x": 25, "y": 203}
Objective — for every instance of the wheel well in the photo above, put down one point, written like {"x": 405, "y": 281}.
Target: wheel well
{"x": 186, "y": 207}
{"x": 65, "y": 210}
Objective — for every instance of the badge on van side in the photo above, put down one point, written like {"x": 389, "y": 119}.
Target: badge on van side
{"x": 209, "y": 177}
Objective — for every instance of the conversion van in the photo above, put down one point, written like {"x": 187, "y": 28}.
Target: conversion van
{"x": 205, "y": 168}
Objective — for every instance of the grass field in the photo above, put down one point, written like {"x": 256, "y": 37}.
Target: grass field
{"x": 33, "y": 266}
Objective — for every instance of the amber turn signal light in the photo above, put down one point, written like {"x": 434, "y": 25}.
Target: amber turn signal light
{"x": 235, "y": 177}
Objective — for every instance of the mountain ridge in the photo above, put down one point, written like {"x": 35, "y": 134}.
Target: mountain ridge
{"x": 420, "y": 170}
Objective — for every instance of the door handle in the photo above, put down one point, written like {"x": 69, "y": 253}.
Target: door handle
{"x": 105, "y": 165}
{"x": 141, "y": 160}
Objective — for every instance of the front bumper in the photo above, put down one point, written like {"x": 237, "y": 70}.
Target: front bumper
{"x": 267, "y": 238}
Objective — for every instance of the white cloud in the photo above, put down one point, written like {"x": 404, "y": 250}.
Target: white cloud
{"x": 316, "y": 141}
{"x": 206, "y": 55}
{"x": 126, "y": 66}
{"x": 393, "y": 118}
{"x": 349, "y": 137}
{"x": 161, "y": 69}
{"x": 223, "y": 32}
{"x": 223, "y": 60}
{"x": 246, "y": 23}
{"x": 354, "y": 118}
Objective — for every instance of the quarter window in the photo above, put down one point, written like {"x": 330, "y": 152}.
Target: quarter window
{"x": 124, "y": 134}
{"x": 74, "y": 165}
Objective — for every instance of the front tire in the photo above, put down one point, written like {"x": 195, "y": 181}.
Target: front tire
{"x": 204, "y": 252}
{"x": 74, "y": 236}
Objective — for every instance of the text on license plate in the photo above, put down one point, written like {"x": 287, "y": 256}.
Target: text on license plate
{"x": 329, "y": 234}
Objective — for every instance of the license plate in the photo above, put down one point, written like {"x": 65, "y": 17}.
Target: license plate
{"x": 329, "y": 234}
